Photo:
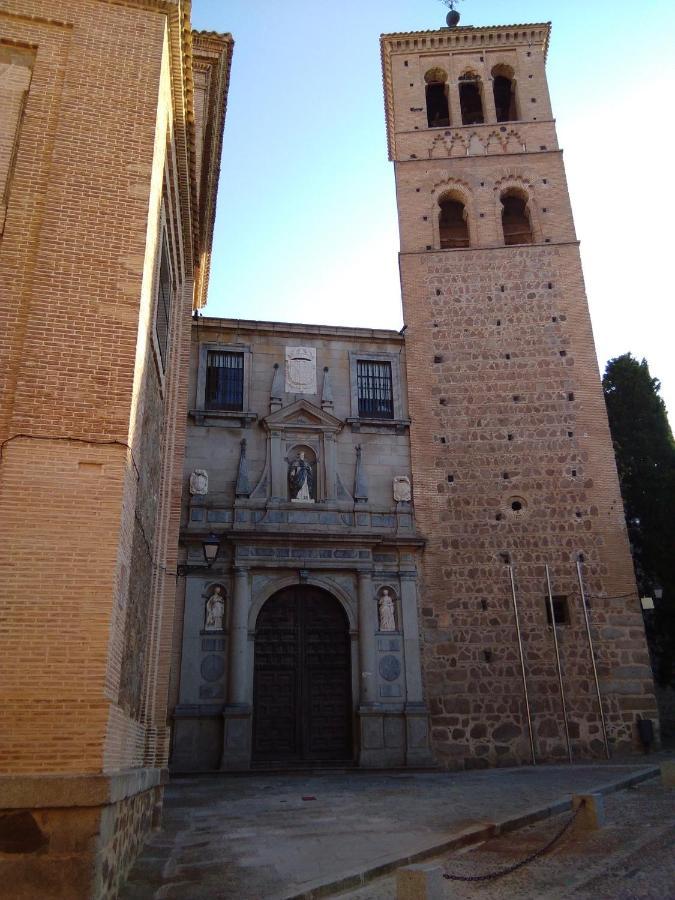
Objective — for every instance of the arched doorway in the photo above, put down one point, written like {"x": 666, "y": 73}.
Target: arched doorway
{"x": 302, "y": 708}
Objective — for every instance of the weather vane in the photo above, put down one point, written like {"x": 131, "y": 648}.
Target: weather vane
{"x": 453, "y": 16}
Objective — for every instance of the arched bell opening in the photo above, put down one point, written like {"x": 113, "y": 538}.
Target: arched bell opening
{"x": 453, "y": 224}
{"x": 436, "y": 88}
{"x": 471, "y": 99}
{"x": 516, "y": 221}
{"x": 504, "y": 88}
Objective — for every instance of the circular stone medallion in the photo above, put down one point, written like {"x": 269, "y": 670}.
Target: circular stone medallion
{"x": 390, "y": 668}
{"x": 213, "y": 668}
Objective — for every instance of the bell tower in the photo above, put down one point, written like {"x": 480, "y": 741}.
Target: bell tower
{"x": 513, "y": 466}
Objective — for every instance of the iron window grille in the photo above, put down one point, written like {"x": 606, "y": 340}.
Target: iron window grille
{"x": 376, "y": 397}
{"x": 225, "y": 380}
{"x": 164, "y": 301}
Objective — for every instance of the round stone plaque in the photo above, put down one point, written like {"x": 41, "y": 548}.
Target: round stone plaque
{"x": 390, "y": 668}
{"x": 213, "y": 668}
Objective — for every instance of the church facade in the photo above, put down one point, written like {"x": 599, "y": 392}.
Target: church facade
{"x": 516, "y": 634}
{"x": 298, "y": 463}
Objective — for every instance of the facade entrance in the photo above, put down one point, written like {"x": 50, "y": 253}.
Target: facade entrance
{"x": 302, "y": 706}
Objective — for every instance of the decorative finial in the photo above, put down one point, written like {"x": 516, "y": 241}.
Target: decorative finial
{"x": 453, "y": 16}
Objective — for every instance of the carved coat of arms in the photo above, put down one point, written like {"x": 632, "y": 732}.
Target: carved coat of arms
{"x": 301, "y": 370}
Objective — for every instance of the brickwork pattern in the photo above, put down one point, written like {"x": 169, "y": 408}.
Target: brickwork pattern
{"x": 62, "y": 377}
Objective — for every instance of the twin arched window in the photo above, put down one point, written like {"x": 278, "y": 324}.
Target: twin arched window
{"x": 453, "y": 220}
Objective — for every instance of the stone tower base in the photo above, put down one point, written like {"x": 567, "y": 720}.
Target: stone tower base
{"x": 80, "y": 835}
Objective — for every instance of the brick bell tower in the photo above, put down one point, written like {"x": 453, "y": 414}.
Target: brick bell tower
{"x": 514, "y": 473}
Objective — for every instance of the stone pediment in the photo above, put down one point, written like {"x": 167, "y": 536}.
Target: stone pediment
{"x": 302, "y": 416}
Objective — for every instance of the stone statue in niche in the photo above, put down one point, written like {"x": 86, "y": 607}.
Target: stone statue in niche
{"x": 301, "y": 480}
{"x": 402, "y": 489}
{"x": 215, "y": 611}
{"x": 199, "y": 483}
{"x": 387, "y": 614}
{"x": 301, "y": 370}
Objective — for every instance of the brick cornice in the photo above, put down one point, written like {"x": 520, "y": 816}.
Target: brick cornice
{"x": 292, "y": 328}
{"x": 161, "y": 5}
{"x": 212, "y": 51}
{"x": 36, "y": 20}
{"x": 197, "y": 224}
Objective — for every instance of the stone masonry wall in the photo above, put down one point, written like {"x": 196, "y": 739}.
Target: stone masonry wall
{"x": 124, "y": 831}
{"x": 506, "y": 404}
{"x": 55, "y": 852}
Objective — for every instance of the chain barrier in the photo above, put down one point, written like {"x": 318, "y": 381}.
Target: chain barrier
{"x": 500, "y": 873}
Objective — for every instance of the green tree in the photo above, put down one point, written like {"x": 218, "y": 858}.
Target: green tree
{"x": 645, "y": 455}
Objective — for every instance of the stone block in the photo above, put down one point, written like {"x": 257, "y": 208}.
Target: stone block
{"x": 372, "y": 732}
{"x": 421, "y": 882}
{"x": 236, "y": 741}
{"x": 668, "y": 774}
{"x": 394, "y": 732}
{"x": 592, "y": 815}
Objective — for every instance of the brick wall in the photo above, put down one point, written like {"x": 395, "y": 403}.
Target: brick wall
{"x": 78, "y": 254}
{"x": 96, "y": 165}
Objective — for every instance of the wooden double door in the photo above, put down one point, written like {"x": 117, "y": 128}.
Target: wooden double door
{"x": 302, "y": 708}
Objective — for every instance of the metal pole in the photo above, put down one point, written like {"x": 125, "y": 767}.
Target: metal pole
{"x": 592, "y": 652}
{"x": 557, "y": 656}
{"x": 522, "y": 666}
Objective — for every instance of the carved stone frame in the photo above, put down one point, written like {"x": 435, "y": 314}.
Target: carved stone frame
{"x": 200, "y": 412}
{"x": 302, "y": 423}
{"x": 400, "y": 421}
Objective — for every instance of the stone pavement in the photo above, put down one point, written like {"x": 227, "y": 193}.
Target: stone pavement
{"x": 631, "y": 858}
{"x": 267, "y": 837}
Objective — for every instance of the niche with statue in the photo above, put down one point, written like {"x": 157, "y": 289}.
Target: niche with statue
{"x": 302, "y": 474}
{"x": 387, "y": 614}
{"x": 214, "y": 609}
{"x": 301, "y": 463}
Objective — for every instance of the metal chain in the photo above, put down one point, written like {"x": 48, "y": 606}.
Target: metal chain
{"x": 523, "y": 862}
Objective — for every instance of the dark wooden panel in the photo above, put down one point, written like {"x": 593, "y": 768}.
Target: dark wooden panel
{"x": 302, "y": 692}
{"x": 277, "y": 684}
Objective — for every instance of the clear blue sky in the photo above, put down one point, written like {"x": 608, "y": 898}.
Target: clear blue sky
{"x": 306, "y": 228}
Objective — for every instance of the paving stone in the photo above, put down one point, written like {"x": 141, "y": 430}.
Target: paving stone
{"x": 254, "y": 837}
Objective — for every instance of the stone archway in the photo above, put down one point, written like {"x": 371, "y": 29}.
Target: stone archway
{"x": 302, "y": 708}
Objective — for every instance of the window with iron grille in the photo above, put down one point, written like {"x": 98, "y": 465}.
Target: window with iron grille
{"x": 376, "y": 398}
{"x": 164, "y": 301}
{"x": 224, "y": 380}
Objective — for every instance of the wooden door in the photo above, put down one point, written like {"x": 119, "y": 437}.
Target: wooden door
{"x": 302, "y": 681}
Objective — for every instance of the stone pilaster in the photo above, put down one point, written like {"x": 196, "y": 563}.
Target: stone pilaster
{"x": 367, "y": 675}
{"x": 237, "y": 714}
